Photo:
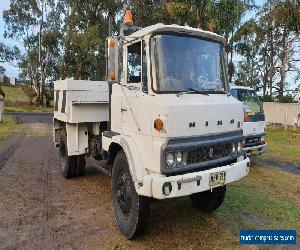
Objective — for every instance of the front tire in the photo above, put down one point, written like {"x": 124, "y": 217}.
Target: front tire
{"x": 131, "y": 210}
{"x": 209, "y": 201}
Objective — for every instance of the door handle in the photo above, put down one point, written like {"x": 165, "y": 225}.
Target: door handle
{"x": 123, "y": 110}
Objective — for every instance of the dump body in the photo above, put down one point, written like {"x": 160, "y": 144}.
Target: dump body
{"x": 78, "y": 101}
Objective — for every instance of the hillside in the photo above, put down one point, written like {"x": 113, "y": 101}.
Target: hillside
{"x": 14, "y": 93}
{"x": 17, "y": 101}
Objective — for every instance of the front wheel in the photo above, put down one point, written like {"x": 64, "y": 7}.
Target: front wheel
{"x": 209, "y": 201}
{"x": 131, "y": 210}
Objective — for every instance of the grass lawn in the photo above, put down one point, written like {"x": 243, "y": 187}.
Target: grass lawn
{"x": 14, "y": 93}
{"x": 27, "y": 108}
{"x": 17, "y": 101}
{"x": 7, "y": 128}
{"x": 283, "y": 145}
{"x": 266, "y": 199}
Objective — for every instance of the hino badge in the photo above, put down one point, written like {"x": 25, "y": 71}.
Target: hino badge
{"x": 163, "y": 125}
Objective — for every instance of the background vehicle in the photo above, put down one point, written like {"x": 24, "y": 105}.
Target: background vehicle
{"x": 164, "y": 124}
{"x": 254, "y": 120}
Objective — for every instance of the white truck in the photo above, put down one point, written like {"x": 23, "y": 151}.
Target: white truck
{"x": 163, "y": 125}
{"x": 254, "y": 127}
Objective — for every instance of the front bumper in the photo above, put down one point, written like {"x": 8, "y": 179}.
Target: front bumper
{"x": 255, "y": 150}
{"x": 153, "y": 184}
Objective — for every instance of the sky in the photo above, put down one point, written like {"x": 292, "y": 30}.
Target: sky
{"x": 10, "y": 70}
{"x": 13, "y": 71}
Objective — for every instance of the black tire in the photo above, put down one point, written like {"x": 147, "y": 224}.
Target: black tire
{"x": 80, "y": 166}
{"x": 131, "y": 210}
{"x": 70, "y": 165}
{"x": 209, "y": 201}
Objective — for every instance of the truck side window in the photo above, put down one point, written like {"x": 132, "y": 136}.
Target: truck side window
{"x": 134, "y": 67}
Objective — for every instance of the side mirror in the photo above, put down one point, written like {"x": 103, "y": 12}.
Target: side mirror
{"x": 112, "y": 59}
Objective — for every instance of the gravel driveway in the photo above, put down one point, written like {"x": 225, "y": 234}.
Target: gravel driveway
{"x": 39, "y": 209}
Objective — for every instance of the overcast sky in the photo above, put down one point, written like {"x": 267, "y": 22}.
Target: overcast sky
{"x": 10, "y": 71}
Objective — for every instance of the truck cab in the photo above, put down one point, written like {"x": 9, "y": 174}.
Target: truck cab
{"x": 171, "y": 129}
{"x": 254, "y": 127}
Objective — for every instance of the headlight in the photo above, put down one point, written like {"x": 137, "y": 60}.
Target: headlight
{"x": 179, "y": 157}
{"x": 236, "y": 147}
{"x": 262, "y": 139}
{"x": 239, "y": 146}
{"x": 170, "y": 159}
{"x": 233, "y": 147}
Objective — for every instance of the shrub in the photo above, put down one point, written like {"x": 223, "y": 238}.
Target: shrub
{"x": 49, "y": 96}
{"x": 29, "y": 92}
{"x": 286, "y": 99}
{"x": 267, "y": 98}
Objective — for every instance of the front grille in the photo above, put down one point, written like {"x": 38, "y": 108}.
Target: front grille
{"x": 209, "y": 153}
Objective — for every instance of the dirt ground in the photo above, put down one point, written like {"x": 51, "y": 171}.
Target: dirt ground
{"x": 39, "y": 209}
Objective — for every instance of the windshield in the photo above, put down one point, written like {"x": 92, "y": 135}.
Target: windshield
{"x": 183, "y": 63}
{"x": 250, "y": 99}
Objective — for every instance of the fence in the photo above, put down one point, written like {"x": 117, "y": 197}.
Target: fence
{"x": 287, "y": 114}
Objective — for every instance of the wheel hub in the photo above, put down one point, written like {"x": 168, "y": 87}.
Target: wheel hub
{"x": 123, "y": 194}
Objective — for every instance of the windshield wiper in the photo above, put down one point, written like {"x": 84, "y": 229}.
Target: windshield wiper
{"x": 218, "y": 91}
{"x": 199, "y": 91}
{"x": 191, "y": 90}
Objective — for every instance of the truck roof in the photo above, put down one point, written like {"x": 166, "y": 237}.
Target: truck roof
{"x": 177, "y": 28}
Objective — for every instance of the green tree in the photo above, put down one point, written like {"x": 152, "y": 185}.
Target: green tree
{"x": 149, "y": 12}
{"x": 33, "y": 22}
{"x": 84, "y": 43}
{"x": 229, "y": 14}
{"x": 287, "y": 20}
{"x": 9, "y": 55}
{"x": 247, "y": 42}
{"x": 223, "y": 17}
{"x": 195, "y": 13}
{"x": 279, "y": 25}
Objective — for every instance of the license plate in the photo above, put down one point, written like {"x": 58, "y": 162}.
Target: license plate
{"x": 218, "y": 178}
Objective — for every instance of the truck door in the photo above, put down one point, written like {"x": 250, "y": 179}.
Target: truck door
{"x": 135, "y": 84}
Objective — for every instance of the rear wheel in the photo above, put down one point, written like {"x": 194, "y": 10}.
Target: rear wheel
{"x": 80, "y": 166}
{"x": 70, "y": 165}
{"x": 131, "y": 210}
{"x": 209, "y": 201}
